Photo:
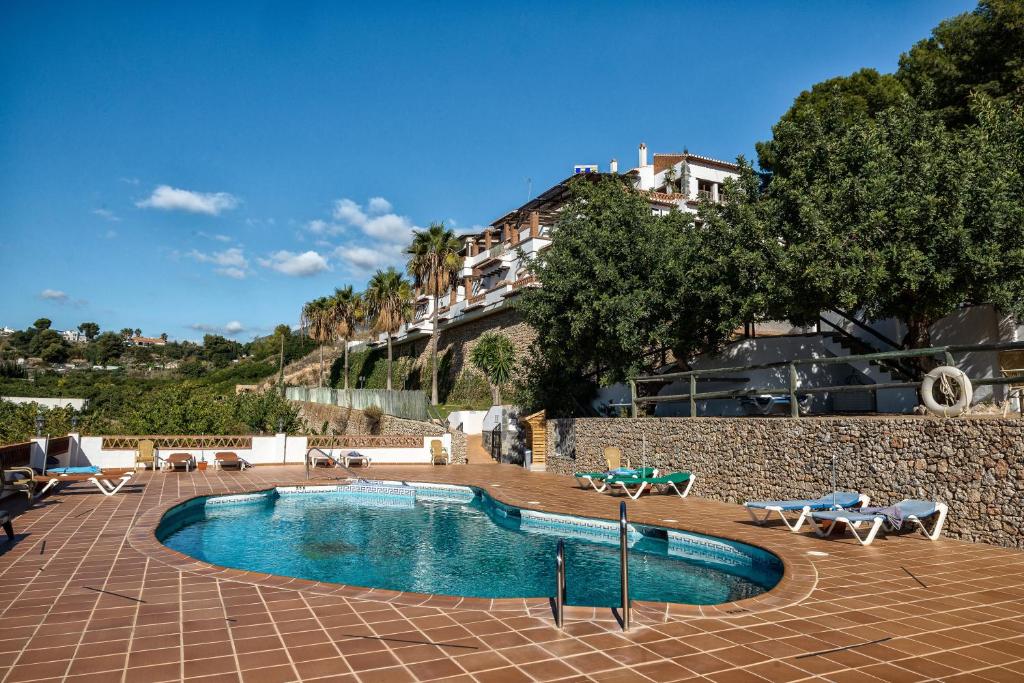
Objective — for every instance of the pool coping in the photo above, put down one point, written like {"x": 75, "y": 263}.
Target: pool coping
{"x": 798, "y": 581}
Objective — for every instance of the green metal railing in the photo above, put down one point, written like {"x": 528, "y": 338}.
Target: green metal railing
{"x": 792, "y": 387}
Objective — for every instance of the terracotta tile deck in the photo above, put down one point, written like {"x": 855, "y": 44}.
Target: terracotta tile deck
{"x": 87, "y": 595}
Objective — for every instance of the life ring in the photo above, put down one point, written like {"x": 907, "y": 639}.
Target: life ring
{"x": 947, "y": 376}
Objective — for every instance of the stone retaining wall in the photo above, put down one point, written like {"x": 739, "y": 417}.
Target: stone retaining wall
{"x": 976, "y": 466}
{"x": 349, "y": 421}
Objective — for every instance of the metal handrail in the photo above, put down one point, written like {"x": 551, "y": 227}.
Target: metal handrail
{"x": 560, "y": 584}
{"x": 624, "y": 564}
{"x": 792, "y": 385}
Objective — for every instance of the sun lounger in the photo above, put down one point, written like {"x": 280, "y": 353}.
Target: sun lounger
{"x": 227, "y": 459}
{"x": 894, "y": 518}
{"x": 353, "y": 457}
{"x": 104, "y": 481}
{"x": 839, "y": 500}
{"x": 672, "y": 481}
{"x": 600, "y": 480}
{"x": 8, "y": 525}
{"x": 317, "y": 456}
{"x": 175, "y": 460}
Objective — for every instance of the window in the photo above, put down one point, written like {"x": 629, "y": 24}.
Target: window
{"x": 705, "y": 189}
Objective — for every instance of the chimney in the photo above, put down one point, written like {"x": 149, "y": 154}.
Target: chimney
{"x": 613, "y": 167}
{"x": 643, "y": 155}
{"x": 534, "y": 224}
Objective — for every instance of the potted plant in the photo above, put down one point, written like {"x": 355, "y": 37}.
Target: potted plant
{"x": 201, "y": 465}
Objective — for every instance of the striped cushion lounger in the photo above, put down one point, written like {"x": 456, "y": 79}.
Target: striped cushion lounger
{"x": 839, "y": 500}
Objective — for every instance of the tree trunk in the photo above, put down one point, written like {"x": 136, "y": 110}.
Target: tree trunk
{"x": 919, "y": 337}
{"x": 389, "y": 362}
{"x": 433, "y": 355}
{"x": 346, "y": 364}
{"x": 320, "y": 382}
{"x": 495, "y": 395}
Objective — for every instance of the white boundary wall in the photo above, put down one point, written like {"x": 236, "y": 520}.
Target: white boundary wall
{"x": 278, "y": 449}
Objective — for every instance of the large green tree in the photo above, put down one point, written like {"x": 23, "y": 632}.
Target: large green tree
{"x": 89, "y": 329}
{"x": 899, "y": 216}
{"x": 434, "y": 263}
{"x": 978, "y": 52}
{"x": 389, "y": 304}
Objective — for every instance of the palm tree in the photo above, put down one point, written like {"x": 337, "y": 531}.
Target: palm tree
{"x": 495, "y": 356}
{"x": 389, "y": 303}
{"x": 434, "y": 262}
{"x": 316, "y": 321}
{"x": 347, "y": 308}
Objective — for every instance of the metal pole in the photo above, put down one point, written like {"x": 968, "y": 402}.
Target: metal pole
{"x": 624, "y": 560}
{"x": 693, "y": 401}
{"x": 794, "y": 407}
{"x": 632, "y": 397}
{"x": 560, "y": 584}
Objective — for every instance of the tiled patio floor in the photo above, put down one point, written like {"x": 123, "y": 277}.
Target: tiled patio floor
{"x": 80, "y": 602}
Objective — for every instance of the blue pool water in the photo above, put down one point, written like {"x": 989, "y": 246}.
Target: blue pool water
{"x": 457, "y": 543}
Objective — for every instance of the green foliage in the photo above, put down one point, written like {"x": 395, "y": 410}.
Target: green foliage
{"x": 18, "y": 421}
{"x": 42, "y": 324}
{"x": 900, "y": 216}
{"x": 494, "y": 356}
{"x": 219, "y": 350}
{"x": 859, "y": 96}
{"x": 185, "y": 409}
{"x": 90, "y": 330}
{"x": 11, "y": 370}
{"x": 979, "y": 52}
{"x": 106, "y": 349}
{"x": 610, "y": 283}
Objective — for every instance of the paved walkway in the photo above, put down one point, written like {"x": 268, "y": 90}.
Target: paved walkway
{"x": 80, "y": 602}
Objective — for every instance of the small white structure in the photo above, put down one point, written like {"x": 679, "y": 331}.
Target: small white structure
{"x": 47, "y": 402}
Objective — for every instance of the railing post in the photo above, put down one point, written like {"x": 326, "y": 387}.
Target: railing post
{"x": 794, "y": 407}
{"x": 693, "y": 391}
{"x": 624, "y": 564}
{"x": 949, "y": 358}
{"x": 632, "y": 398}
{"x": 560, "y": 584}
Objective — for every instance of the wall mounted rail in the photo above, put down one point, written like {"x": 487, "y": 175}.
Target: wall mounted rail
{"x": 624, "y": 564}
{"x": 560, "y": 584}
{"x": 793, "y": 388}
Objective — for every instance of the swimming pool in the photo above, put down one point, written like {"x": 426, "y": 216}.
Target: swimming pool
{"x": 453, "y": 540}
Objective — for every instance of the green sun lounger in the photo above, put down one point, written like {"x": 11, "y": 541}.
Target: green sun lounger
{"x": 672, "y": 481}
{"x": 600, "y": 480}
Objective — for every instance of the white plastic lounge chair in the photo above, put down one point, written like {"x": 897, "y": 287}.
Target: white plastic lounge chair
{"x": 669, "y": 481}
{"x": 317, "y": 456}
{"x": 892, "y": 518}
{"x": 839, "y": 500}
{"x": 104, "y": 481}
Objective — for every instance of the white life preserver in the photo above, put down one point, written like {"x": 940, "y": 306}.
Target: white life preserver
{"x": 946, "y": 375}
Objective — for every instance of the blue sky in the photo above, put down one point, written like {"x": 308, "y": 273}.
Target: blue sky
{"x": 183, "y": 167}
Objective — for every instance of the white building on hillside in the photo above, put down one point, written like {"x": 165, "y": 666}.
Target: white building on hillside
{"x": 494, "y": 265}
{"x": 73, "y": 336}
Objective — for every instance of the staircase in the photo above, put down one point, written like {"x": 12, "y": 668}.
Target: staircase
{"x": 869, "y": 372}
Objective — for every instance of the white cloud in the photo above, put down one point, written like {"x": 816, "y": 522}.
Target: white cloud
{"x": 319, "y": 227}
{"x": 170, "y": 198}
{"x": 364, "y": 259}
{"x": 384, "y": 225}
{"x": 348, "y": 211}
{"x": 214, "y": 236}
{"x": 236, "y": 273}
{"x": 230, "y": 329}
{"x": 107, "y": 214}
{"x": 53, "y": 295}
{"x": 378, "y": 205}
{"x": 297, "y": 265}
{"x": 232, "y": 262}
{"x": 130, "y": 181}
{"x": 110, "y": 234}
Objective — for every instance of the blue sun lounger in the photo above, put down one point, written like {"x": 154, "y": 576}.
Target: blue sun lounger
{"x": 839, "y": 500}
{"x": 893, "y": 518}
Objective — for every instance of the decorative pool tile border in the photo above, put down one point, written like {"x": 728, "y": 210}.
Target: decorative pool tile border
{"x": 580, "y": 525}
